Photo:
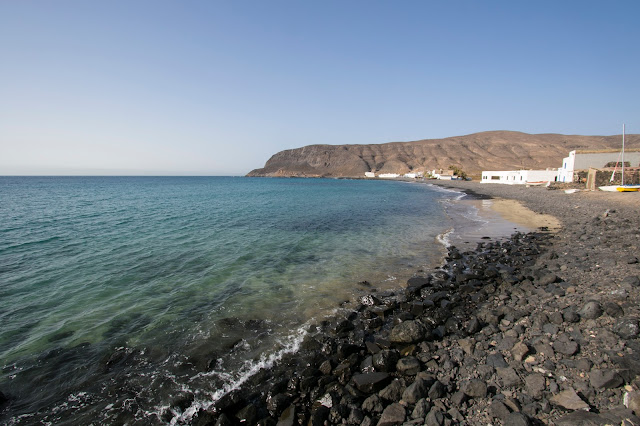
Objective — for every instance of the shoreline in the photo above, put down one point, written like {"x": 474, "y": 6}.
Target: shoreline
{"x": 537, "y": 329}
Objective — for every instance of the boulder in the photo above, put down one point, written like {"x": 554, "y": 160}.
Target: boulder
{"x": 408, "y": 332}
{"x": 474, "y": 388}
{"x": 508, "y": 377}
{"x": 434, "y": 418}
{"x": 415, "y": 391}
{"x": 519, "y": 351}
{"x": 591, "y": 310}
{"x": 393, "y": 392}
{"x": 393, "y": 415}
{"x": 535, "y": 384}
{"x": 570, "y": 400}
{"x": 287, "y": 417}
{"x": 385, "y": 360}
{"x": 627, "y": 328}
{"x": 373, "y": 404}
{"x": 605, "y": 379}
{"x": 408, "y": 366}
{"x": 517, "y": 419}
{"x": 611, "y": 417}
{"x": 370, "y": 382}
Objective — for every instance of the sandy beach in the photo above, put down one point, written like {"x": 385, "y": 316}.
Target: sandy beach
{"x": 539, "y": 329}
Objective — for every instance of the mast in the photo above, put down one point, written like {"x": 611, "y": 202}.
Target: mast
{"x": 622, "y": 181}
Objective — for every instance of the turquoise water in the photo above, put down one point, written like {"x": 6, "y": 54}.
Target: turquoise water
{"x": 157, "y": 288}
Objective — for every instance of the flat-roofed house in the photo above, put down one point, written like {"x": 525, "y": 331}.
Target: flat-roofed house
{"x": 600, "y": 159}
{"x": 520, "y": 177}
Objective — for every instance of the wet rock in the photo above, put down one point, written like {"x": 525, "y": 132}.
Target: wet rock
{"x": 325, "y": 367}
{"x": 627, "y": 328}
{"x": 287, "y": 417}
{"x": 474, "y": 388}
{"x": 408, "y": 366}
{"x": 386, "y": 360}
{"x": 372, "y": 347}
{"x": 408, "y": 332}
{"x": 418, "y": 282}
{"x": 277, "y": 403}
{"x": 591, "y": 310}
{"x": 248, "y": 414}
{"x": 343, "y": 326}
{"x": 570, "y": 400}
{"x": 319, "y": 414}
{"x": 370, "y": 382}
{"x": 415, "y": 391}
{"x": 605, "y": 379}
{"x": 223, "y": 420}
{"x": 370, "y": 300}
{"x": 394, "y": 414}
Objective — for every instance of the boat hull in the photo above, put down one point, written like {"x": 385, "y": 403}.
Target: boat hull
{"x": 620, "y": 188}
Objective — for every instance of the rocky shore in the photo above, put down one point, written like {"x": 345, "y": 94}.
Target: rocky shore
{"x": 541, "y": 328}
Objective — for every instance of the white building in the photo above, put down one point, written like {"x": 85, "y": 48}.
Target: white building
{"x": 369, "y": 174}
{"x": 443, "y": 174}
{"x": 389, "y": 175}
{"x": 583, "y": 160}
{"x": 520, "y": 177}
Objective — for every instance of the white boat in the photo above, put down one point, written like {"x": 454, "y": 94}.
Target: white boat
{"x": 622, "y": 187}
{"x": 609, "y": 188}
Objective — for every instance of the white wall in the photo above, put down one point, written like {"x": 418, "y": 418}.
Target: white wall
{"x": 519, "y": 177}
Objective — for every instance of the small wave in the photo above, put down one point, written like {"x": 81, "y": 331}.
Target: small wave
{"x": 30, "y": 243}
{"x": 445, "y": 237}
{"x": 460, "y": 194}
{"x": 290, "y": 344}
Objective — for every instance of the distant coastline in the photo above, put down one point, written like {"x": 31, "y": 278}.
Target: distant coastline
{"x": 497, "y": 150}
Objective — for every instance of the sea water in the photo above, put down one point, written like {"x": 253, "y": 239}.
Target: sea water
{"x": 120, "y": 297}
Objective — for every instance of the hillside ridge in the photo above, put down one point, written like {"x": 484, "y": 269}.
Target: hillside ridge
{"x": 489, "y": 150}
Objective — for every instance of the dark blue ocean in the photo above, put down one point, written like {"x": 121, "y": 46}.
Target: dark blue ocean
{"x": 121, "y": 295}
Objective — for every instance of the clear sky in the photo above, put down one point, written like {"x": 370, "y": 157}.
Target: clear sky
{"x": 217, "y": 87}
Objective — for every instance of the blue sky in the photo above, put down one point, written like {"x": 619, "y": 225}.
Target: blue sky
{"x": 217, "y": 87}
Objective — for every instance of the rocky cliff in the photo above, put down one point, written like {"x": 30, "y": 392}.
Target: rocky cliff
{"x": 497, "y": 150}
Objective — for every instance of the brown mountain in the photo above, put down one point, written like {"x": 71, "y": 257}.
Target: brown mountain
{"x": 497, "y": 150}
